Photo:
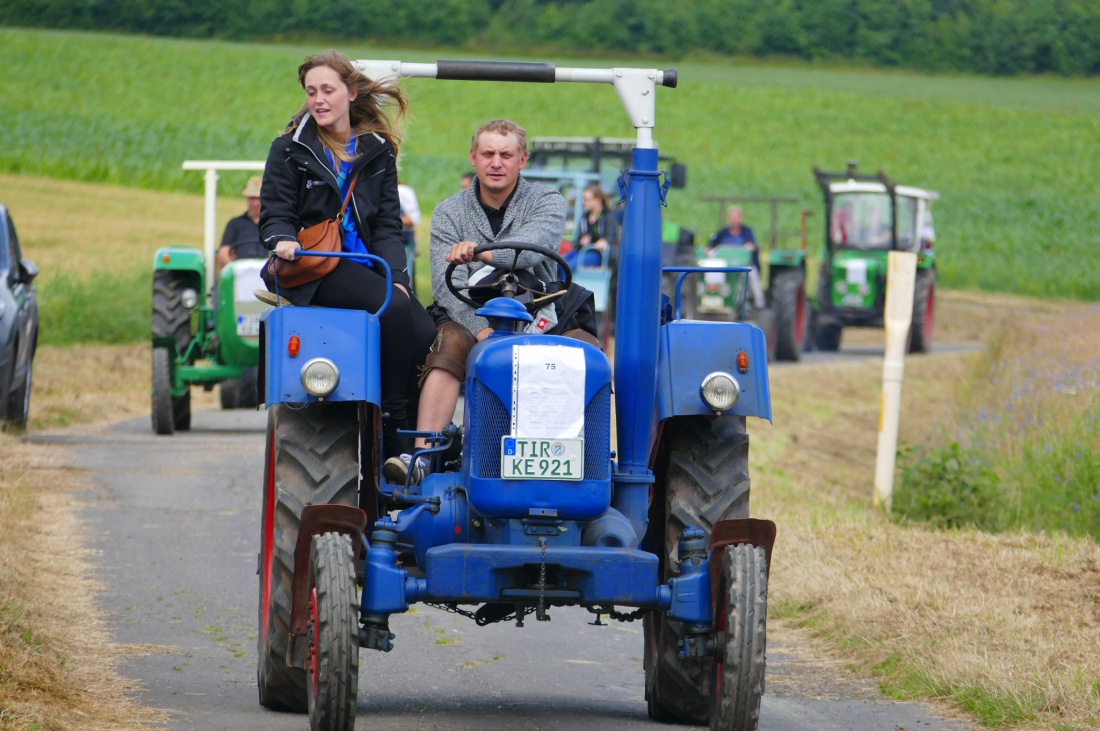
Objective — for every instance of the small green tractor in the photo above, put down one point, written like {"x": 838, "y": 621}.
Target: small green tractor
{"x": 205, "y": 327}
{"x": 775, "y": 298}
{"x": 867, "y": 217}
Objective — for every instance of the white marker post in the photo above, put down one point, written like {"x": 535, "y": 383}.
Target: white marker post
{"x": 900, "y": 279}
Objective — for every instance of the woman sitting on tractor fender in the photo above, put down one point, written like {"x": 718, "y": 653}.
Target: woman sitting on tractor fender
{"x": 338, "y": 136}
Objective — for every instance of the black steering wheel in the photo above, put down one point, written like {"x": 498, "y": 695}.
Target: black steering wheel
{"x": 508, "y": 285}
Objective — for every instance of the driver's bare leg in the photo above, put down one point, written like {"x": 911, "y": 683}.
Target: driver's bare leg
{"x": 438, "y": 400}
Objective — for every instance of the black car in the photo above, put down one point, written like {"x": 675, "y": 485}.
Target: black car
{"x": 18, "y": 325}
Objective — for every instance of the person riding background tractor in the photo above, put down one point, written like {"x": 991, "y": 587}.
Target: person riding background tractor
{"x": 499, "y": 206}
{"x": 241, "y": 239}
{"x": 737, "y": 234}
{"x": 342, "y": 123}
{"x": 599, "y": 226}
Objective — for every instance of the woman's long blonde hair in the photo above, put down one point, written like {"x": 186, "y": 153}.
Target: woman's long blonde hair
{"x": 367, "y": 114}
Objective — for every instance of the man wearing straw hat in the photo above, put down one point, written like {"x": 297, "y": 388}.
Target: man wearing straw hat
{"x": 242, "y": 234}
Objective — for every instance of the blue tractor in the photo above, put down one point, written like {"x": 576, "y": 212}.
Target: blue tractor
{"x": 546, "y": 508}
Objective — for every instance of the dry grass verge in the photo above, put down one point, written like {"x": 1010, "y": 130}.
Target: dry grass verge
{"x": 1004, "y": 626}
{"x": 57, "y": 664}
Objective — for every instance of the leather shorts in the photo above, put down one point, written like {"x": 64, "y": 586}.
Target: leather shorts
{"x": 450, "y": 350}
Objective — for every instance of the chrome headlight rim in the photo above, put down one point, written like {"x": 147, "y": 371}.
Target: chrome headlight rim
{"x": 720, "y": 391}
{"x": 189, "y": 298}
{"x": 320, "y": 377}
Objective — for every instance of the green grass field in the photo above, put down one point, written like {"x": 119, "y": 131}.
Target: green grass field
{"x": 1013, "y": 159}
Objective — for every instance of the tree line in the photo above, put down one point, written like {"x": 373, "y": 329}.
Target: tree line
{"x": 1000, "y": 37}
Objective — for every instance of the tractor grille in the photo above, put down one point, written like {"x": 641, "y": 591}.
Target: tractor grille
{"x": 491, "y": 420}
{"x": 250, "y": 307}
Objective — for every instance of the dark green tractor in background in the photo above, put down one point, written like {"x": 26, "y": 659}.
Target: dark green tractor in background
{"x": 205, "y": 328}
{"x": 867, "y": 217}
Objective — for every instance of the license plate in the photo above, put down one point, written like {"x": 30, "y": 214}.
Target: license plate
{"x": 712, "y": 303}
{"x": 248, "y": 324}
{"x": 852, "y": 300}
{"x": 522, "y": 458}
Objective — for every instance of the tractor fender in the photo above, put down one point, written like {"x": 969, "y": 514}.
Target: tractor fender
{"x": 734, "y": 532}
{"x": 317, "y": 519}
{"x": 179, "y": 258}
{"x": 692, "y": 349}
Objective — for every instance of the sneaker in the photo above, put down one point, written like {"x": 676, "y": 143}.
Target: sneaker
{"x": 396, "y": 469}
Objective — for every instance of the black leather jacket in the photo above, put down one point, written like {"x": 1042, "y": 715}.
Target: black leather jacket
{"x": 300, "y": 189}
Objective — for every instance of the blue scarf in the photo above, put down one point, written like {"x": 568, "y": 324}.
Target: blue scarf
{"x": 352, "y": 241}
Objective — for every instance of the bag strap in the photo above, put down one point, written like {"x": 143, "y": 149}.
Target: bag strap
{"x": 340, "y": 216}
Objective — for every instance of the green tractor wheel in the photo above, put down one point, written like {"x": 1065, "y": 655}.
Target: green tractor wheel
{"x": 924, "y": 310}
{"x": 240, "y": 393}
{"x": 705, "y": 468}
{"x": 788, "y": 290}
{"x": 171, "y": 319}
{"x": 163, "y": 419}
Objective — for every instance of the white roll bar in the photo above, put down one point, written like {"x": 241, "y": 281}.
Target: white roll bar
{"x": 636, "y": 87}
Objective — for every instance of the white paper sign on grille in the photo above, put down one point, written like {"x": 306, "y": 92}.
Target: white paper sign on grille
{"x": 547, "y": 391}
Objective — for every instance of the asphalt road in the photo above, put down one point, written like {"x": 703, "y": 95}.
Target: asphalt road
{"x": 175, "y": 522}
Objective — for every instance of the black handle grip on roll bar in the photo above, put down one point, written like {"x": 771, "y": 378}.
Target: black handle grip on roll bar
{"x": 542, "y": 73}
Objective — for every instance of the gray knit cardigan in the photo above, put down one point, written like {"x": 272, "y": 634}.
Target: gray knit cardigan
{"x": 535, "y": 215}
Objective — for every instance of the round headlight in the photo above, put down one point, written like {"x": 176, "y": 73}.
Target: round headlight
{"x": 189, "y": 298}
{"x": 841, "y": 287}
{"x": 865, "y": 289}
{"x": 720, "y": 391}
{"x": 320, "y": 376}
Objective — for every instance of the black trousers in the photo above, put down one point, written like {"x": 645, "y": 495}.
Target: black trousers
{"x": 407, "y": 331}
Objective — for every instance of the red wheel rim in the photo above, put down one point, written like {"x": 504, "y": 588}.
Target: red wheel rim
{"x": 314, "y": 655}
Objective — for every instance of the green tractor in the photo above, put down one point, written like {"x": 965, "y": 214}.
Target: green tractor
{"x": 205, "y": 327}
{"x": 867, "y": 217}
{"x": 772, "y": 296}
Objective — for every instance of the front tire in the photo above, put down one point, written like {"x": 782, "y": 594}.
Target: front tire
{"x": 705, "y": 470}
{"x": 791, "y": 312}
{"x": 827, "y": 338}
{"x": 239, "y": 393}
{"x": 19, "y": 407}
{"x": 741, "y": 618}
{"x": 311, "y": 458}
{"x": 334, "y": 634}
{"x": 924, "y": 311}
{"x": 164, "y": 421}
{"x": 171, "y": 319}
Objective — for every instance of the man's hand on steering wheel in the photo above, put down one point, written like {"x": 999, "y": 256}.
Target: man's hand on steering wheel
{"x": 463, "y": 253}
{"x": 508, "y": 284}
